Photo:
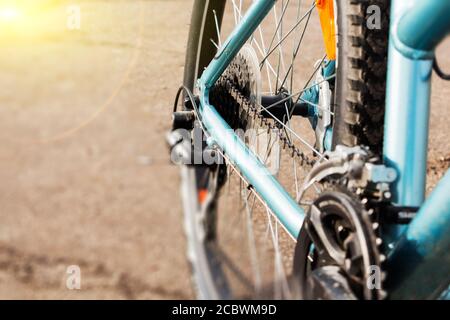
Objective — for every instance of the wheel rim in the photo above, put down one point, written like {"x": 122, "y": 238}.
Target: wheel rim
{"x": 238, "y": 205}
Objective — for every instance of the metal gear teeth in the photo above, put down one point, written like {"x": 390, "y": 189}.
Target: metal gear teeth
{"x": 239, "y": 100}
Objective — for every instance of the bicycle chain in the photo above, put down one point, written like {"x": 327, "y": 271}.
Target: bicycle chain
{"x": 231, "y": 95}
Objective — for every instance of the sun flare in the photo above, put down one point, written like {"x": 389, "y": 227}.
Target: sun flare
{"x": 10, "y": 14}
{"x": 22, "y": 19}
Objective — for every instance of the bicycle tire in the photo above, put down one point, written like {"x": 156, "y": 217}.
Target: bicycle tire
{"x": 359, "y": 107}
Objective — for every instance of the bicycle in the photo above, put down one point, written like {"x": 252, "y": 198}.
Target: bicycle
{"x": 253, "y": 124}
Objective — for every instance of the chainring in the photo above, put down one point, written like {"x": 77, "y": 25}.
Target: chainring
{"x": 337, "y": 241}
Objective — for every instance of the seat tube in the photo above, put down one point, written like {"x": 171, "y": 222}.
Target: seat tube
{"x": 416, "y": 266}
{"x": 407, "y": 120}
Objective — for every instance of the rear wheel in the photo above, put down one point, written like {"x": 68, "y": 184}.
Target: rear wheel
{"x": 236, "y": 248}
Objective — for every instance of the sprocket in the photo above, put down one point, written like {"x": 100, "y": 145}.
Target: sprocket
{"x": 339, "y": 242}
{"x": 338, "y": 233}
{"x": 243, "y": 76}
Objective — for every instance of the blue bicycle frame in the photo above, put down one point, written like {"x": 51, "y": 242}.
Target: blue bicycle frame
{"x": 420, "y": 258}
{"x": 419, "y": 266}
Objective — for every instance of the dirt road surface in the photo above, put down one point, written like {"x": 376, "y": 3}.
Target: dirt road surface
{"x": 85, "y": 176}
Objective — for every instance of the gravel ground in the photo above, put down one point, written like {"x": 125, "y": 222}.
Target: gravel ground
{"x": 85, "y": 177}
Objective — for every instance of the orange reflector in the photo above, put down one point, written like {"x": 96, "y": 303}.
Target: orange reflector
{"x": 326, "y": 14}
{"x": 202, "y": 194}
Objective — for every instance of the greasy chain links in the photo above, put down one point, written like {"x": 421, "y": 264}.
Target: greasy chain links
{"x": 231, "y": 96}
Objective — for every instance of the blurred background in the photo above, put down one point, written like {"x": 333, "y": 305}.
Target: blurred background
{"x": 84, "y": 170}
{"x": 86, "y": 89}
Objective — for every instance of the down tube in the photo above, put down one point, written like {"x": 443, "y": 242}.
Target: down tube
{"x": 418, "y": 268}
{"x": 279, "y": 201}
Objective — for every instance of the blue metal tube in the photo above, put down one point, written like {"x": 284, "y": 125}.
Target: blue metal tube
{"x": 280, "y": 202}
{"x": 445, "y": 295}
{"x": 250, "y": 21}
{"x": 289, "y": 213}
{"x": 406, "y": 126}
{"x": 419, "y": 267}
{"x": 406, "y": 121}
{"x": 433, "y": 18}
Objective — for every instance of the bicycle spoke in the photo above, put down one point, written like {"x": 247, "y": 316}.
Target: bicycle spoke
{"x": 287, "y": 34}
{"x": 299, "y": 92}
{"x": 216, "y": 21}
{"x": 294, "y": 48}
{"x": 231, "y": 266}
{"x": 280, "y": 49}
{"x": 255, "y": 247}
{"x": 296, "y": 51}
{"x": 280, "y": 283}
{"x": 258, "y": 46}
{"x": 315, "y": 151}
{"x": 278, "y": 24}
{"x": 215, "y": 44}
{"x": 252, "y": 246}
